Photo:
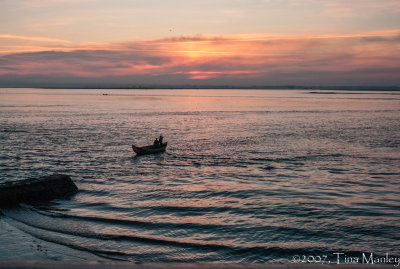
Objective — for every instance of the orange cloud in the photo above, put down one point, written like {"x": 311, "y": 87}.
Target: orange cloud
{"x": 215, "y": 74}
{"x": 34, "y": 38}
{"x": 260, "y": 58}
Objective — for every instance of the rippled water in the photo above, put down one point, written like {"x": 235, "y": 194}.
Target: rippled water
{"x": 248, "y": 176}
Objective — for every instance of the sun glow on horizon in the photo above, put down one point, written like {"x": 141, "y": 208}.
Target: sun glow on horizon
{"x": 203, "y": 58}
{"x": 180, "y": 42}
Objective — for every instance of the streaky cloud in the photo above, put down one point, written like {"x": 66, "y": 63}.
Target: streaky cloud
{"x": 34, "y": 38}
{"x": 256, "y": 59}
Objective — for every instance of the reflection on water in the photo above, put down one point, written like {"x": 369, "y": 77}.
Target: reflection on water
{"x": 248, "y": 176}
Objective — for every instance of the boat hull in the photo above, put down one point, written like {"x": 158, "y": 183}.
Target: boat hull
{"x": 149, "y": 149}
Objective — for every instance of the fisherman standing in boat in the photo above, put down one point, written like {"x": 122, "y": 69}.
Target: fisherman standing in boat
{"x": 160, "y": 140}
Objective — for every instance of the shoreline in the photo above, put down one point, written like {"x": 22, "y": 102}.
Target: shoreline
{"x": 33, "y": 264}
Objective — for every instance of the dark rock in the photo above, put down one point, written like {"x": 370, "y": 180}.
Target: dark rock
{"x": 36, "y": 190}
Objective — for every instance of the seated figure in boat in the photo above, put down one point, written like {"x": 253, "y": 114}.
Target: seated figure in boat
{"x": 156, "y": 143}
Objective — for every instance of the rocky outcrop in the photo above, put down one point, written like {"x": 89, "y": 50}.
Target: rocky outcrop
{"x": 36, "y": 190}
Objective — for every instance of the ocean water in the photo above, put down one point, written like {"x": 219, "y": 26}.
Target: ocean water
{"x": 256, "y": 176}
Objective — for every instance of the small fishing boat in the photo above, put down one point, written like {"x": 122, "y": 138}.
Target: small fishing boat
{"x": 149, "y": 149}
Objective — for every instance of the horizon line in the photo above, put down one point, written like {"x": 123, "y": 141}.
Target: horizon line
{"x": 210, "y": 87}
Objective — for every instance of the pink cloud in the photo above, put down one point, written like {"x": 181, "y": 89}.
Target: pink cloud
{"x": 258, "y": 58}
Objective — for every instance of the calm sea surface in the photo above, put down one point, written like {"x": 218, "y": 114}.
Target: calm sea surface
{"x": 248, "y": 176}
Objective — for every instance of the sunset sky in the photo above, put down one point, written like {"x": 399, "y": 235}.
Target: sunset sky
{"x": 200, "y": 42}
